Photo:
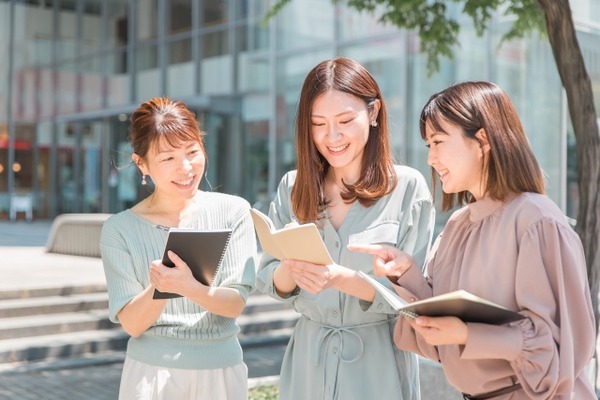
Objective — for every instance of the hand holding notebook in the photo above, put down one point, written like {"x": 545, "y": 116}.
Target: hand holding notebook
{"x": 296, "y": 242}
{"x": 202, "y": 251}
{"x": 462, "y": 304}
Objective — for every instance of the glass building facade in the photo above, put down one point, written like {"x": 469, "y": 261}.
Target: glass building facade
{"x": 72, "y": 71}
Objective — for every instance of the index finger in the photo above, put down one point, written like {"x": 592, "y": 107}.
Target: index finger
{"x": 365, "y": 248}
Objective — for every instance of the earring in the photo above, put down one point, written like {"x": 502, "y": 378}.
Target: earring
{"x": 144, "y": 183}
{"x": 374, "y": 123}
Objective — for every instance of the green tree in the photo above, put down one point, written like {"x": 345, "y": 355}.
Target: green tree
{"x": 438, "y": 37}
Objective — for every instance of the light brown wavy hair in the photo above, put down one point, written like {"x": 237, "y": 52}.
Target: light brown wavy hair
{"x": 377, "y": 177}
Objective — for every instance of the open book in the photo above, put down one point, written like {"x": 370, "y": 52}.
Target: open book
{"x": 202, "y": 250}
{"x": 297, "y": 242}
{"x": 462, "y": 304}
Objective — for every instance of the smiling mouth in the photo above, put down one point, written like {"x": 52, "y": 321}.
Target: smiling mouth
{"x": 186, "y": 182}
{"x": 338, "y": 148}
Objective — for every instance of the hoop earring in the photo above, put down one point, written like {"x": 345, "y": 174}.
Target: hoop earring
{"x": 144, "y": 182}
{"x": 374, "y": 124}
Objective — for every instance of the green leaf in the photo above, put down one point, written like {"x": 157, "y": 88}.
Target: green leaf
{"x": 277, "y": 7}
{"x": 438, "y": 32}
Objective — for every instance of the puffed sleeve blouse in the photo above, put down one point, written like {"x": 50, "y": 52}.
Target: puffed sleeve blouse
{"x": 521, "y": 254}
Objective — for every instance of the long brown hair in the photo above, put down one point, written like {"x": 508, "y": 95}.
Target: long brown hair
{"x": 511, "y": 166}
{"x": 161, "y": 118}
{"x": 377, "y": 177}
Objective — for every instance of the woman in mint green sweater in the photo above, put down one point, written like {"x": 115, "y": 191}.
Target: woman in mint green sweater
{"x": 185, "y": 347}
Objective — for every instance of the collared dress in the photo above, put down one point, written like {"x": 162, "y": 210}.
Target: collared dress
{"x": 341, "y": 347}
{"x": 523, "y": 255}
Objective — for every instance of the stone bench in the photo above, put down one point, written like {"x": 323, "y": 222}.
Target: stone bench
{"x": 76, "y": 234}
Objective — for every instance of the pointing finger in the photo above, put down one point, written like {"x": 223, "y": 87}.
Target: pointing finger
{"x": 365, "y": 248}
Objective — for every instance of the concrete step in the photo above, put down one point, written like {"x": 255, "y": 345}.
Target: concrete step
{"x": 64, "y": 345}
{"x": 85, "y": 328}
{"x": 53, "y": 304}
{"x": 48, "y": 291}
{"x": 49, "y": 324}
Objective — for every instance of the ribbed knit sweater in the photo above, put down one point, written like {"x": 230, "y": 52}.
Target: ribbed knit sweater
{"x": 185, "y": 335}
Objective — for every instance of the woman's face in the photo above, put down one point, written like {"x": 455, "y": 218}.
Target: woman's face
{"x": 458, "y": 160}
{"x": 340, "y": 128}
{"x": 175, "y": 170}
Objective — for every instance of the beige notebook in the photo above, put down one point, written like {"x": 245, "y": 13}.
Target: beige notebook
{"x": 462, "y": 304}
{"x": 298, "y": 242}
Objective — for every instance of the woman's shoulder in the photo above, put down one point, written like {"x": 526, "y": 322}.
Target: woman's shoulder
{"x": 122, "y": 218}
{"x": 411, "y": 179}
{"x": 534, "y": 207}
{"x": 121, "y": 224}
{"x": 286, "y": 183}
{"x": 288, "y": 178}
{"x": 409, "y": 174}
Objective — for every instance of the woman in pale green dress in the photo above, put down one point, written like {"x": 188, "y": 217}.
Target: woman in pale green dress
{"x": 346, "y": 182}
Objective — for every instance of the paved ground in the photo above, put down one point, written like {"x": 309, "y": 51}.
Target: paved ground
{"x": 98, "y": 377}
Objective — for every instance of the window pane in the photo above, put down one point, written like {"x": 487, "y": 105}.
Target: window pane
{"x": 91, "y": 83}
{"x": 180, "y": 12}
{"x": 66, "y": 92}
{"x": 92, "y": 40}
{"x": 147, "y": 11}
{"x": 67, "y": 34}
{"x": 180, "y": 51}
{"x": 117, "y": 90}
{"x": 253, "y": 37}
{"x": 148, "y": 77}
{"x": 215, "y": 44}
{"x": 180, "y": 72}
{"x": 305, "y": 23}
{"x": 214, "y": 12}
{"x": 256, "y": 116}
{"x": 118, "y": 23}
{"x": 256, "y": 36}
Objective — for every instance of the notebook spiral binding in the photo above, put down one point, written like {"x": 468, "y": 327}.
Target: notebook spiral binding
{"x": 220, "y": 262}
{"x": 408, "y": 314}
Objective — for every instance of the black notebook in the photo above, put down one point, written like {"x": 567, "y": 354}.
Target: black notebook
{"x": 460, "y": 303}
{"x": 202, "y": 250}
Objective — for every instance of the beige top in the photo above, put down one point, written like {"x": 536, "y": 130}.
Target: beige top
{"x": 523, "y": 255}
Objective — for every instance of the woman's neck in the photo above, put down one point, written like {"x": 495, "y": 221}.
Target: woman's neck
{"x": 343, "y": 177}
{"x": 164, "y": 210}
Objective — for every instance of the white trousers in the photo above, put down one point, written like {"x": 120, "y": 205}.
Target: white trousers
{"x": 140, "y": 381}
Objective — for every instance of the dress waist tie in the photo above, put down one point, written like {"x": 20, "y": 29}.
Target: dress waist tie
{"x": 328, "y": 332}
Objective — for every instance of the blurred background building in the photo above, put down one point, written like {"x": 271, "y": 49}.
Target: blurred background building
{"x": 72, "y": 71}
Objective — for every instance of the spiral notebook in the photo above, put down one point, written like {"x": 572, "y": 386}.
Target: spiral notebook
{"x": 202, "y": 250}
{"x": 460, "y": 303}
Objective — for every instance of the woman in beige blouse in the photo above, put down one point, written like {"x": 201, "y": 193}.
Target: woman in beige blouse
{"x": 510, "y": 244}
